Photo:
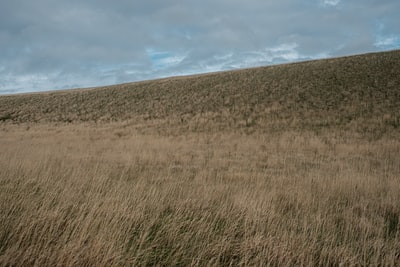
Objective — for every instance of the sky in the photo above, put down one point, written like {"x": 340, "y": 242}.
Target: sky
{"x": 61, "y": 44}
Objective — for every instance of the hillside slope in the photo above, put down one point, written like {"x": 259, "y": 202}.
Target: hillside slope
{"x": 360, "y": 93}
{"x": 290, "y": 165}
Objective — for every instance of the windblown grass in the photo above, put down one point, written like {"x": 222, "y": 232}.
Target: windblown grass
{"x": 110, "y": 196}
{"x": 291, "y": 165}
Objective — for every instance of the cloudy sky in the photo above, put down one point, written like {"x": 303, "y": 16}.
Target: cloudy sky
{"x": 56, "y": 44}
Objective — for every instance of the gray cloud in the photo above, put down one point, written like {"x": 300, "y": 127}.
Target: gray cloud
{"x": 47, "y": 44}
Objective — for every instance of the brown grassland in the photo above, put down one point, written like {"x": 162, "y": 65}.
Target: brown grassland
{"x": 289, "y": 165}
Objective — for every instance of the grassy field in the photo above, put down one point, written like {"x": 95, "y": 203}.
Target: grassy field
{"x": 276, "y": 166}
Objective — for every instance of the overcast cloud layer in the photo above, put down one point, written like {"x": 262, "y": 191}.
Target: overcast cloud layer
{"x": 49, "y": 44}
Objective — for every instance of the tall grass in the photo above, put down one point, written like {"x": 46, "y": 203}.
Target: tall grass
{"x": 109, "y": 195}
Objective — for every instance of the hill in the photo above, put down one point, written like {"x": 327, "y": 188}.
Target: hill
{"x": 288, "y": 165}
{"x": 359, "y": 93}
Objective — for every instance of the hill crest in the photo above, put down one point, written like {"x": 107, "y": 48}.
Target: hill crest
{"x": 360, "y": 93}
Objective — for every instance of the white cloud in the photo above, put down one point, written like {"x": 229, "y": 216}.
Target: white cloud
{"x": 388, "y": 42}
{"x": 331, "y": 2}
{"x": 286, "y": 51}
{"x": 283, "y": 53}
{"x": 163, "y": 60}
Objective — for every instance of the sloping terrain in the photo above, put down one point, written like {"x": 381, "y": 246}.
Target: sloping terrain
{"x": 359, "y": 93}
{"x": 290, "y": 165}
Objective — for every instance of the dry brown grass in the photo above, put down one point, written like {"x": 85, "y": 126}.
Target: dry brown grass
{"x": 294, "y": 165}
{"x": 108, "y": 195}
{"x": 359, "y": 94}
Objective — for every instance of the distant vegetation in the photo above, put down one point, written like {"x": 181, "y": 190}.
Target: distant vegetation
{"x": 359, "y": 93}
{"x": 289, "y": 165}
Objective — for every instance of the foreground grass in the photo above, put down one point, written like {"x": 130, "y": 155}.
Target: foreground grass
{"x": 108, "y": 195}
